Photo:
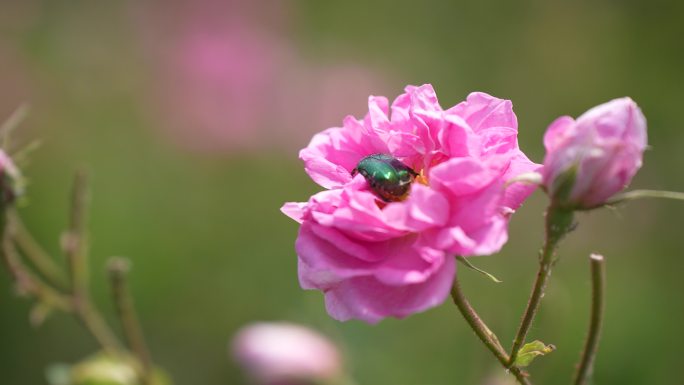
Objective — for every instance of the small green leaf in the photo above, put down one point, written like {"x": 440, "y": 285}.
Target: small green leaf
{"x": 530, "y": 351}
{"x": 470, "y": 265}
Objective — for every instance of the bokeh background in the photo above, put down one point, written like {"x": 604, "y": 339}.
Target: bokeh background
{"x": 189, "y": 116}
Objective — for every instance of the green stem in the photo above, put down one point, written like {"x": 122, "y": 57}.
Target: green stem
{"x": 93, "y": 321}
{"x": 557, "y": 223}
{"x": 598, "y": 279}
{"x": 40, "y": 259}
{"x": 118, "y": 271}
{"x": 23, "y": 278}
{"x": 29, "y": 283}
{"x": 78, "y": 302}
{"x": 637, "y": 194}
{"x": 485, "y": 335}
{"x": 11, "y": 123}
{"x": 75, "y": 248}
{"x": 74, "y": 242}
{"x": 640, "y": 194}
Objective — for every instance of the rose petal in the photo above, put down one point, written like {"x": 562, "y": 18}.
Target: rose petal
{"x": 367, "y": 299}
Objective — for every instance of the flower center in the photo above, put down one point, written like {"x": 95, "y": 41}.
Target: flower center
{"x": 422, "y": 178}
{"x": 387, "y": 176}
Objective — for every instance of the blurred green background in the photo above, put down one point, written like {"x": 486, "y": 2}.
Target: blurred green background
{"x": 189, "y": 116}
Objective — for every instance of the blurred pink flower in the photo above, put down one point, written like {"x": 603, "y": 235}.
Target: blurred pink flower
{"x": 590, "y": 159}
{"x": 375, "y": 259}
{"x": 228, "y": 77}
{"x": 283, "y": 354}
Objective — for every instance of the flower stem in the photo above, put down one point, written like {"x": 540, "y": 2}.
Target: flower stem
{"x": 75, "y": 248}
{"x": 78, "y": 301}
{"x": 43, "y": 263}
{"x": 557, "y": 223}
{"x": 74, "y": 241}
{"x": 93, "y": 321}
{"x": 118, "y": 270}
{"x": 11, "y": 123}
{"x": 30, "y": 284}
{"x": 487, "y": 337}
{"x": 25, "y": 281}
{"x": 639, "y": 194}
{"x": 598, "y": 279}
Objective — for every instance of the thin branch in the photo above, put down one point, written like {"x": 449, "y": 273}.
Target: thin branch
{"x": 118, "y": 272}
{"x": 26, "y": 282}
{"x": 11, "y": 123}
{"x": 29, "y": 283}
{"x": 74, "y": 241}
{"x": 637, "y": 194}
{"x": 78, "y": 302}
{"x": 76, "y": 250}
{"x": 98, "y": 328}
{"x": 598, "y": 282}
{"x": 38, "y": 257}
{"x": 558, "y": 223}
{"x": 485, "y": 335}
{"x": 640, "y": 194}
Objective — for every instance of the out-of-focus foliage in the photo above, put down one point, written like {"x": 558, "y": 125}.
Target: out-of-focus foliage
{"x": 210, "y": 250}
{"x": 102, "y": 369}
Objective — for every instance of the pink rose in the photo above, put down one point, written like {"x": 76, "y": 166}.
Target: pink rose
{"x": 281, "y": 353}
{"x": 590, "y": 159}
{"x": 374, "y": 258}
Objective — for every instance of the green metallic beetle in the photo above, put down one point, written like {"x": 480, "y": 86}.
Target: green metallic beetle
{"x": 387, "y": 176}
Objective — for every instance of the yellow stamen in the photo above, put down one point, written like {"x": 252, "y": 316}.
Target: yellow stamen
{"x": 421, "y": 178}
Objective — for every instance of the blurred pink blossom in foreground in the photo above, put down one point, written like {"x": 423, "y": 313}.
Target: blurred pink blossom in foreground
{"x": 590, "y": 159}
{"x": 375, "y": 259}
{"x": 283, "y": 353}
{"x": 227, "y": 77}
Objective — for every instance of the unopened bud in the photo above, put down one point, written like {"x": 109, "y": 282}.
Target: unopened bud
{"x": 590, "y": 159}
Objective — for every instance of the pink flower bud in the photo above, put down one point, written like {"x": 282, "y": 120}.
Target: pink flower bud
{"x": 590, "y": 159}
{"x": 283, "y": 353}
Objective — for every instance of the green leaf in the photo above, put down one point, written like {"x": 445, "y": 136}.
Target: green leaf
{"x": 471, "y": 266}
{"x": 530, "y": 351}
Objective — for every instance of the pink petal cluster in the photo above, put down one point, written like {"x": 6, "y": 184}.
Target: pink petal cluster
{"x": 278, "y": 353}
{"x": 590, "y": 159}
{"x": 374, "y": 259}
